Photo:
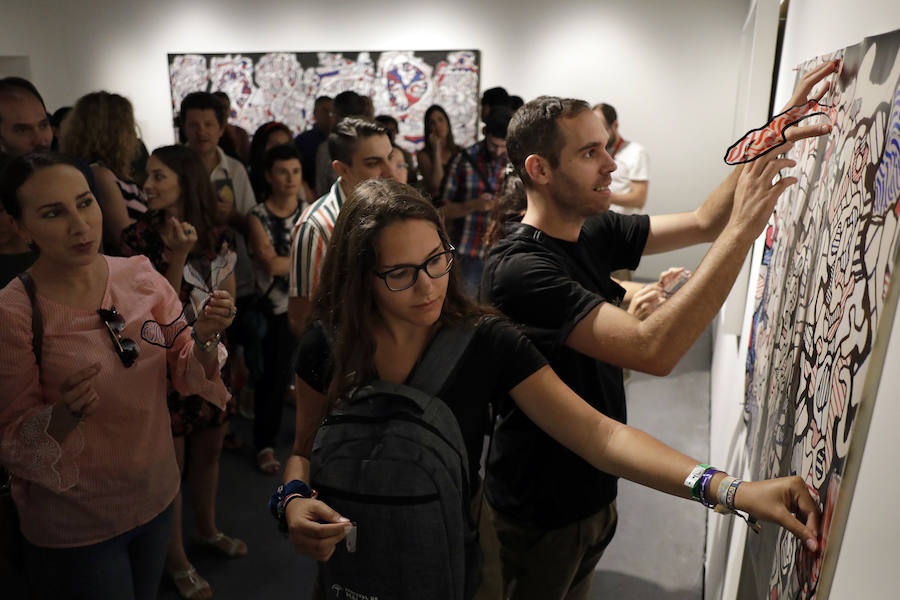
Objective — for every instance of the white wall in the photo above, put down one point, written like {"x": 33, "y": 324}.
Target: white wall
{"x": 725, "y": 536}
{"x": 668, "y": 66}
{"x": 15, "y": 66}
{"x": 867, "y": 556}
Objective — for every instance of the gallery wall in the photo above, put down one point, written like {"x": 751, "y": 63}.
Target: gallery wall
{"x": 668, "y": 66}
{"x": 725, "y": 536}
{"x": 815, "y": 27}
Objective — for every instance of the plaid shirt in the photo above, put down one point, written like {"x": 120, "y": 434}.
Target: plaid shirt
{"x": 464, "y": 183}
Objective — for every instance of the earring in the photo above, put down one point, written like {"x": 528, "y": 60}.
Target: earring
{"x": 29, "y": 242}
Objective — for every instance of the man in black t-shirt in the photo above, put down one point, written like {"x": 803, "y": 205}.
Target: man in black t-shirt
{"x": 554, "y": 513}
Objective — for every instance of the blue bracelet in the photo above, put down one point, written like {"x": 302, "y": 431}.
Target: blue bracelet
{"x": 277, "y": 506}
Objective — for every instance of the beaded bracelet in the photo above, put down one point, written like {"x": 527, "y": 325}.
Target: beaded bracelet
{"x": 287, "y": 500}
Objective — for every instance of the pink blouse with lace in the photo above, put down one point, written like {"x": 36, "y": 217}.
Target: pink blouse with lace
{"x": 116, "y": 470}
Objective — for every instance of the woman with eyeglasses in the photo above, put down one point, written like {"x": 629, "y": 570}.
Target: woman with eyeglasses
{"x": 184, "y": 236}
{"x": 389, "y": 284}
{"x": 84, "y": 426}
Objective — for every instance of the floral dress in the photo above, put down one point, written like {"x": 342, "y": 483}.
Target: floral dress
{"x": 203, "y": 273}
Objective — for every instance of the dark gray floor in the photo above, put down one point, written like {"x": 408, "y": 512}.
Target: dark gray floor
{"x": 271, "y": 568}
{"x": 657, "y": 552}
{"x": 659, "y": 546}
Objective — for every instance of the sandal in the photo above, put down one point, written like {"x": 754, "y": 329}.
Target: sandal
{"x": 225, "y": 545}
{"x": 266, "y": 461}
{"x": 190, "y": 585}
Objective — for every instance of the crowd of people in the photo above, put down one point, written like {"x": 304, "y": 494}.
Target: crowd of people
{"x": 147, "y": 292}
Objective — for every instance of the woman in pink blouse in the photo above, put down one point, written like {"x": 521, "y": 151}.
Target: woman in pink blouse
{"x": 85, "y": 433}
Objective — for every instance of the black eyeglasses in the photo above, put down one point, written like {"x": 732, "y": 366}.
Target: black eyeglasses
{"x": 403, "y": 277}
{"x": 126, "y": 348}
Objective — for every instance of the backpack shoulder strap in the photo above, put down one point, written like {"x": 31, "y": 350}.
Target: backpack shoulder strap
{"x": 441, "y": 358}
{"x": 37, "y": 322}
{"x": 437, "y": 364}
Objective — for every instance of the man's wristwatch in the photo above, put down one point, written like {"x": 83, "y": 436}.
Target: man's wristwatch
{"x": 207, "y": 346}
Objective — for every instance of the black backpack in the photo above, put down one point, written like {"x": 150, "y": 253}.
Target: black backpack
{"x": 393, "y": 461}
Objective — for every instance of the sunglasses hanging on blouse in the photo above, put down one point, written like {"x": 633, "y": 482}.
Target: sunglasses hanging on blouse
{"x": 126, "y": 348}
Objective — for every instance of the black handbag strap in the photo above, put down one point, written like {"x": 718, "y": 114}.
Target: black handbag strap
{"x": 37, "y": 322}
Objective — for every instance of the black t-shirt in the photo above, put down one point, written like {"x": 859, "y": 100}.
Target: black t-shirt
{"x": 548, "y": 285}
{"x": 497, "y": 359}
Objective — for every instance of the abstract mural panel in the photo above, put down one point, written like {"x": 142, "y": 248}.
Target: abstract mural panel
{"x": 830, "y": 252}
{"x": 282, "y": 86}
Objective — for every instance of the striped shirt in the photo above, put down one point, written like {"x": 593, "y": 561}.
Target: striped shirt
{"x": 310, "y": 239}
{"x": 464, "y": 183}
{"x": 135, "y": 200}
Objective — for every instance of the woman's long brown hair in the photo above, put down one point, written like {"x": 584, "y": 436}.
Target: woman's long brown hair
{"x": 198, "y": 196}
{"x": 344, "y": 301}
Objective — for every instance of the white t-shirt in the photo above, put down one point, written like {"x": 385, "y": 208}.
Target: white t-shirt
{"x": 230, "y": 178}
{"x": 632, "y": 164}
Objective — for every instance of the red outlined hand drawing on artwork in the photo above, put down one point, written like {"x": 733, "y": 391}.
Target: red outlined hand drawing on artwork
{"x": 761, "y": 141}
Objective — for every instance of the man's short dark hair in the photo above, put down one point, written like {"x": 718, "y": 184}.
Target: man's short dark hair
{"x": 609, "y": 113}
{"x": 202, "y": 101}
{"x": 496, "y": 96}
{"x": 497, "y": 122}
{"x": 320, "y": 101}
{"x": 344, "y": 138}
{"x": 57, "y": 117}
{"x": 12, "y": 84}
{"x": 347, "y": 103}
{"x": 534, "y": 129}
{"x": 387, "y": 121}
{"x": 277, "y": 153}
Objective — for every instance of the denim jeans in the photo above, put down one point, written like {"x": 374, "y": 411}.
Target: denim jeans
{"x": 126, "y": 567}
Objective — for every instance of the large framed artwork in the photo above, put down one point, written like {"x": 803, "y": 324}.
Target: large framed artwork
{"x": 822, "y": 312}
{"x": 282, "y": 86}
